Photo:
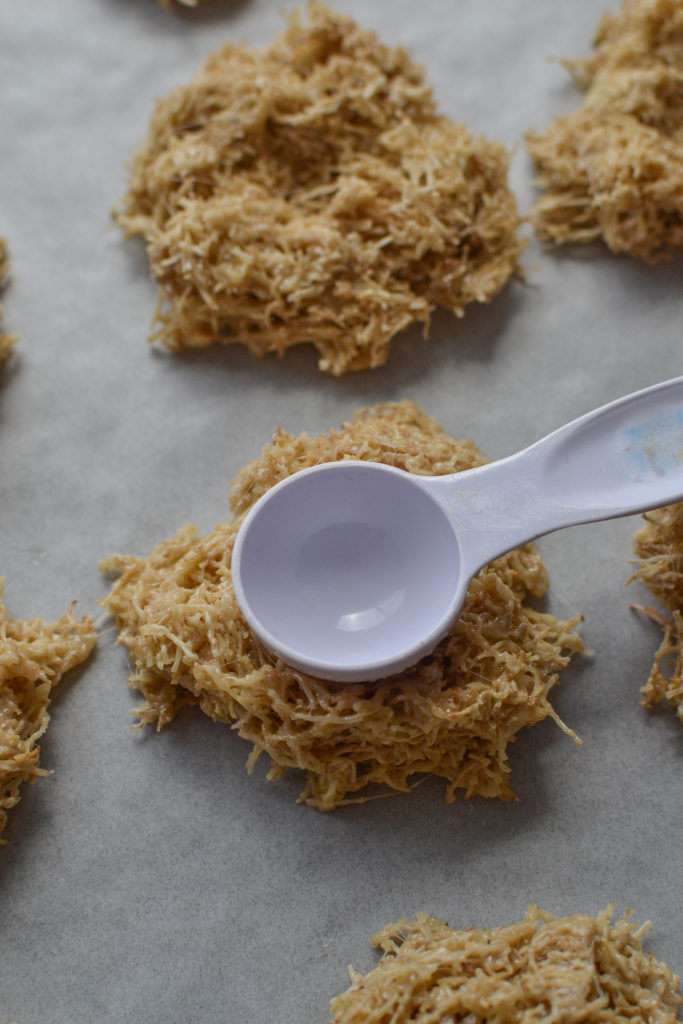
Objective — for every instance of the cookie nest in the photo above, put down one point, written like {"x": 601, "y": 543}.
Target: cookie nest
{"x": 452, "y": 715}
{"x": 614, "y": 169}
{"x": 309, "y": 192}
{"x": 34, "y": 655}
{"x": 576, "y": 969}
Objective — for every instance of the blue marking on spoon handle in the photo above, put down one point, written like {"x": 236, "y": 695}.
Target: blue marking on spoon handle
{"x": 652, "y": 448}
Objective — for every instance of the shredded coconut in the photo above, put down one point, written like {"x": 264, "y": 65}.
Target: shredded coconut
{"x": 453, "y": 715}
{"x": 309, "y": 192}
{"x": 568, "y": 970}
{"x": 7, "y": 341}
{"x": 659, "y": 546}
{"x": 614, "y": 168}
{"x": 34, "y": 655}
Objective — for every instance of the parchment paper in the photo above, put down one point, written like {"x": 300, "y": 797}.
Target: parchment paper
{"x": 150, "y": 880}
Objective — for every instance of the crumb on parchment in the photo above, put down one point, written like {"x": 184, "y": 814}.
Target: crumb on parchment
{"x": 614, "y": 168}
{"x": 309, "y": 192}
{"x": 453, "y": 715}
{"x": 570, "y": 970}
{"x": 34, "y": 655}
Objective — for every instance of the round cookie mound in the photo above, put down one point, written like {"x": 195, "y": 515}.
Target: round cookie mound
{"x": 452, "y": 715}
{"x": 309, "y": 192}
{"x": 577, "y": 970}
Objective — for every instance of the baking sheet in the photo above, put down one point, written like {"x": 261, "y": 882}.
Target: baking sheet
{"x": 150, "y": 879}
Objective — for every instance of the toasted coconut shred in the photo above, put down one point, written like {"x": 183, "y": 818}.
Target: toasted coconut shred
{"x": 453, "y": 715}
{"x": 614, "y": 168}
{"x": 7, "y": 341}
{"x": 659, "y": 546}
{"x": 309, "y": 192}
{"x": 570, "y": 970}
{"x": 34, "y": 655}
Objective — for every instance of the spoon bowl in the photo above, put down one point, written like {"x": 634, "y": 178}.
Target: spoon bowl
{"x": 341, "y": 561}
{"x": 353, "y": 570}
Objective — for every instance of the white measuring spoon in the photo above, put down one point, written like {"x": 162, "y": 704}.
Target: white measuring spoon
{"x": 354, "y": 570}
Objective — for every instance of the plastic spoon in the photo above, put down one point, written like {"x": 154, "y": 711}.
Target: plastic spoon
{"x": 353, "y": 570}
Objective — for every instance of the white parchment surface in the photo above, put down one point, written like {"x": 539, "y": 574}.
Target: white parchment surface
{"x": 149, "y": 880}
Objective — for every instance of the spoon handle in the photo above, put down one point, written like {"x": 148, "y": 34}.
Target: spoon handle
{"x": 622, "y": 458}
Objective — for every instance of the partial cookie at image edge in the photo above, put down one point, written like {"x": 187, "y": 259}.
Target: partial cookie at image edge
{"x": 7, "y": 341}
{"x": 613, "y": 170}
{"x": 34, "y": 655}
{"x": 577, "y": 969}
{"x": 658, "y": 545}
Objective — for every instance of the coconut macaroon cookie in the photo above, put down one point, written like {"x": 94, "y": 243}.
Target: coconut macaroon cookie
{"x": 453, "y": 715}
{"x": 659, "y": 546}
{"x": 7, "y": 341}
{"x": 34, "y": 655}
{"x": 614, "y": 168}
{"x": 575, "y": 970}
{"x": 310, "y": 192}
